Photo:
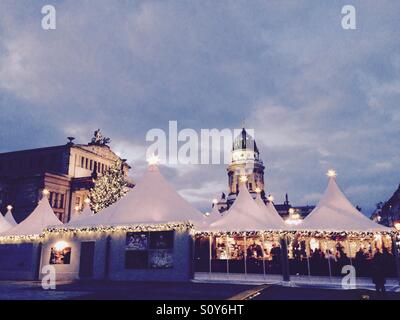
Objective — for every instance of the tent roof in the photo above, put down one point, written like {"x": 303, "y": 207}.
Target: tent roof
{"x": 243, "y": 215}
{"x": 273, "y": 220}
{"x": 42, "y": 217}
{"x": 10, "y": 218}
{"x": 334, "y": 212}
{"x": 205, "y": 222}
{"x": 4, "y": 224}
{"x": 86, "y": 213}
{"x": 153, "y": 200}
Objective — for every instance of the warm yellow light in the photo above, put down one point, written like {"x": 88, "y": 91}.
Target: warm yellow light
{"x": 377, "y": 237}
{"x": 291, "y": 211}
{"x": 314, "y": 244}
{"x": 215, "y": 201}
{"x": 60, "y": 245}
{"x": 397, "y": 225}
{"x": 45, "y": 192}
{"x": 77, "y": 208}
{"x": 331, "y": 173}
{"x": 243, "y": 179}
{"x": 9, "y": 207}
{"x": 258, "y": 190}
{"x": 271, "y": 198}
{"x": 87, "y": 200}
{"x": 153, "y": 160}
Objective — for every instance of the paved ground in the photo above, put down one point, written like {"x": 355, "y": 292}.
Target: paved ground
{"x": 120, "y": 291}
{"x": 310, "y": 293}
{"x": 177, "y": 291}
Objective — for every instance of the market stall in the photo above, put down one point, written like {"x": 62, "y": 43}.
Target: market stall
{"x": 247, "y": 239}
{"x": 336, "y": 234}
{"x": 144, "y": 236}
{"x": 20, "y": 246}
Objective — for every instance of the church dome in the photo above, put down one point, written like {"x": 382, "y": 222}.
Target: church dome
{"x": 244, "y": 141}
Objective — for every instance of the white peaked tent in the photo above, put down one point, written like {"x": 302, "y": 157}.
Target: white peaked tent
{"x": 215, "y": 215}
{"x": 153, "y": 200}
{"x": 334, "y": 212}
{"x": 273, "y": 220}
{"x": 10, "y": 218}
{"x": 86, "y": 213}
{"x": 4, "y": 224}
{"x": 42, "y": 217}
{"x": 207, "y": 219}
{"x": 243, "y": 215}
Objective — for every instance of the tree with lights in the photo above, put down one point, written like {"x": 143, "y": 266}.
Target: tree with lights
{"x": 108, "y": 188}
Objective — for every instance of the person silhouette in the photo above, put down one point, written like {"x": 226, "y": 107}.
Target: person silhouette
{"x": 378, "y": 269}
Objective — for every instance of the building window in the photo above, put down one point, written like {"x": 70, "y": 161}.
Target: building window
{"x": 82, "y": 162}
{"x": 55, "y": 200}
{"x": 61, "y": 204}
{"x": 91, "y": 165}
{"x": 86, "y": 163}
{"x": 51, "y": 198}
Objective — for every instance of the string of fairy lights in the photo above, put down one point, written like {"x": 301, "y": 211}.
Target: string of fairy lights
{"x": 293, "y": 233}
{"x": 189, "y": 227}
{"x": 181, "y": 227}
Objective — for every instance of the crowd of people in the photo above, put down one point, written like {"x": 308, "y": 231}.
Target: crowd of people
{"x": 256, "y": 256}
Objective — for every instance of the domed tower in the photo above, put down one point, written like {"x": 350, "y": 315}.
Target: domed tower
{"x": 245, "y": 161}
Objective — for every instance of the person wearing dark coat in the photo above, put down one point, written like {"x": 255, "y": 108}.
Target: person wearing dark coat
{"x": 379, "y": 272}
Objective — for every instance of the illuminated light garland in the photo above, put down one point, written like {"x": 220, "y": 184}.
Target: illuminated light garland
{"x": 242, "y": 233}
{"x": 315, "y": 234}
{"x": 21, "y": 238}
{"x": 188, "y": 226}
{"x": 123, "y": 228}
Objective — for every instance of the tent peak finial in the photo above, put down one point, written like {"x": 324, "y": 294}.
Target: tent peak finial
{"x": 331, "y": 173}
{"x": 153, "y": 161}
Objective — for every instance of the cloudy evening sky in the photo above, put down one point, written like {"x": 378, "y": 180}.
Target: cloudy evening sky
{"x": 317, "y": 96}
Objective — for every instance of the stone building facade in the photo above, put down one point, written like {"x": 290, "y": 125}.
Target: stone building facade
{"x": 66, "y": 171}
{"x": 390, "y": 212}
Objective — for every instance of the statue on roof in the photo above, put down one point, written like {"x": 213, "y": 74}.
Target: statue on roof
{"x": 99, "y": 140}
